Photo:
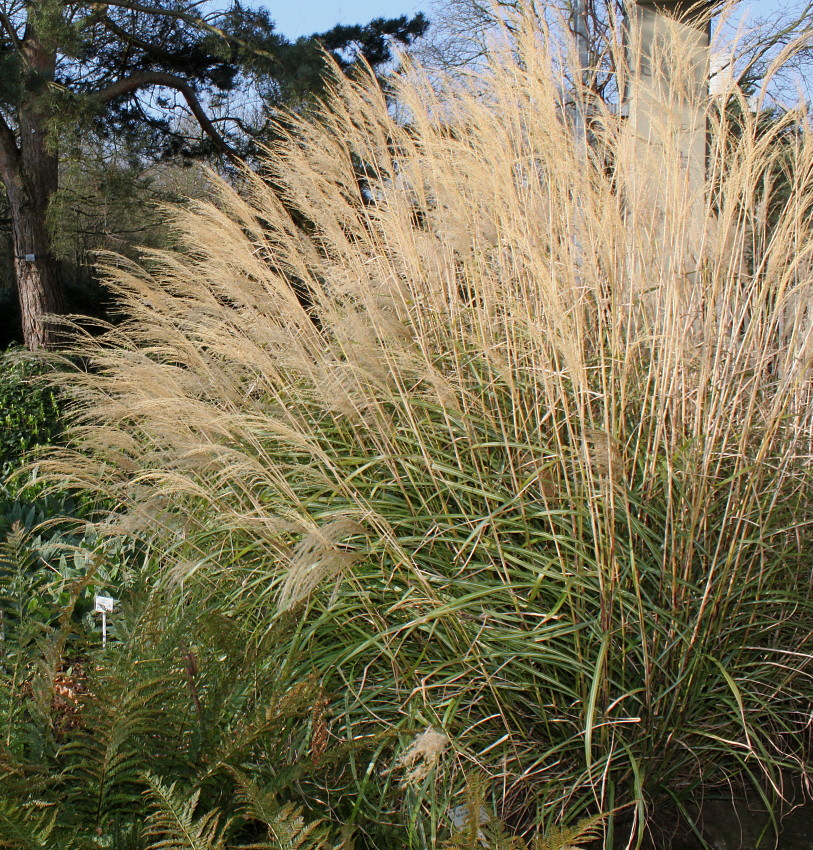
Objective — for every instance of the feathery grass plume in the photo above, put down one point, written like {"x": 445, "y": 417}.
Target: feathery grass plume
{"x": 423, "y": 755}
{"x": 317, "y": 556}
{"x": 574, "y": 421}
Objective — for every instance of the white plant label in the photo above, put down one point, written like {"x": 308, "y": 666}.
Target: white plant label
{"x": 104, "y": 604}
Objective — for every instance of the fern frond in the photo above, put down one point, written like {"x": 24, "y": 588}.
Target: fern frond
{"x": 473, "y": 828}
{"x": 18, "y": 576}
{"x": 24, "y": 827}
{"x": 287, "y": 829}
{"x": 172, "y": 824}
{"x": 15, "y": 553}
{"x": 266, "y": 721}
{"x": 106, "y": 761}
{"x": 570, "y": 837}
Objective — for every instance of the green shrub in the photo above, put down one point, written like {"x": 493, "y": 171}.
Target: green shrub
{"x": 172, "y": 735}
{"x": 29, "y": 409}
{"x": 46, "y": 551}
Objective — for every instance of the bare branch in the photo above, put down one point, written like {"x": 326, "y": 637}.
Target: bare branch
{"x": 793, "y": 29}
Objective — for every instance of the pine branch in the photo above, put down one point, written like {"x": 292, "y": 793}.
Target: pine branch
{"x": 195, "y": 21}
{"x": 11, "y": 32}
{"x": 128, "y": 85}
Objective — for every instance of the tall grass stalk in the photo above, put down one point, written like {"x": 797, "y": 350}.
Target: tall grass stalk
{"x": 512, "y": 431}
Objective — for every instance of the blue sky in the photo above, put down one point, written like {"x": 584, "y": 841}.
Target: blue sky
{"x": 306, "y": 16}
{"x": 303, "y": 17}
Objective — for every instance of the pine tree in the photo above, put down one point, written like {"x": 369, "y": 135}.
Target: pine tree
{"x": 116, "y": 66}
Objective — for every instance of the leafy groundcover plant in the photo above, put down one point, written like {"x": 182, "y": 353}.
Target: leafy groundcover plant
{"x": 500, "y": 438}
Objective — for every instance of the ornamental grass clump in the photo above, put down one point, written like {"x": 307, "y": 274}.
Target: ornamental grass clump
{"x": 506, "y": 433}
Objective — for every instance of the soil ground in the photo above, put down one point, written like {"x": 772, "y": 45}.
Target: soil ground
{"x": 740, "y": 825}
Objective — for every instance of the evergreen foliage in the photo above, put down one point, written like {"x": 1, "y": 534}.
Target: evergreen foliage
{"x": 124, "y": 70}
{"x": 29, "y": 410}
{"x": 120, "y": 64}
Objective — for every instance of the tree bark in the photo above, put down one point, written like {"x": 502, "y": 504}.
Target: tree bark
{"x": 39, "y": 287}
{"x": 38, "y": 281}
{"x": 29, "y": 170}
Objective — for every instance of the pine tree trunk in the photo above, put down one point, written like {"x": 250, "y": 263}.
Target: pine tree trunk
{"x": 29, "y": 170}
{"x": 38, "y": 285}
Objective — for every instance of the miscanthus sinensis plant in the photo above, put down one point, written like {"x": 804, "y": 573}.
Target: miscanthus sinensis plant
{"x": 510, "y": 431}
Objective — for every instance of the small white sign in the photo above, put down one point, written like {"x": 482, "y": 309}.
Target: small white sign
{"x": 104, "y": 604}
